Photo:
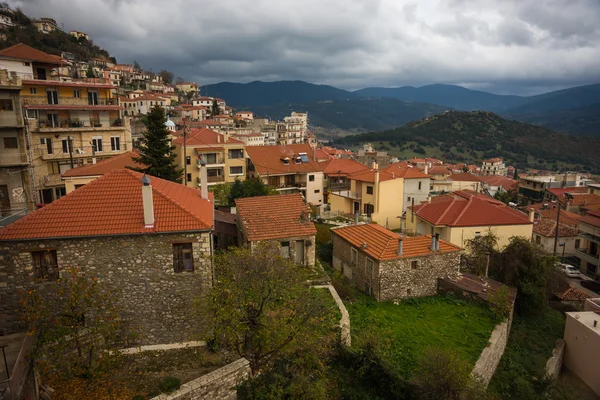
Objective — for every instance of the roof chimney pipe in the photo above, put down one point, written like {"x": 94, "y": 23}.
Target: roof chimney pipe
{"x": 148, "y": 202}
{"x": 531, "y": 215}
{"x": 399, "y": 252}
{"x": 437, "y": 242}
{"x": 203, "y": 179}
{"x": 432, "y": 246}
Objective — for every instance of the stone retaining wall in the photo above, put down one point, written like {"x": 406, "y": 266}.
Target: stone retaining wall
{"x": 345, "y": 320}
{"x": 554, "y": 363}
{"x": 217, "y": 385}
{"x": 488, "y": 361}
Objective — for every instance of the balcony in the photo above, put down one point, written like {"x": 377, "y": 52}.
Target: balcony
{"x": 348, "y": 194}
{"x": 589, "y": 237}
{"x": 13, "y": 158}
{"x": 53, "y": 180}
{"x": 68, "y": 101}
{"x": 211, "y": 180}
{"x": 75, "y": 124}
{"x": 213, "y": 162}
{"x": 10, "y": 119}
{"x": 592, "y": 259}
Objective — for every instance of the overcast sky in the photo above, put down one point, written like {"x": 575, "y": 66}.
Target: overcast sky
{"x": 503, "y": 46}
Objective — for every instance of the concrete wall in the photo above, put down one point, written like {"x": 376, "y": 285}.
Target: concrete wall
{"x": 554, "y": 363}
{"x": 309, "y": 249}
{"x": 389, "y": 204}
{"x": 488, "y": 361}
{"x": 139, "y": 268}
{"x": 582, "y": 347}
{"x": 217, "y": 385}
{"x": 314, "y": 189}
{"x": 411, "y": 189}
{"x": 547, "y": 244}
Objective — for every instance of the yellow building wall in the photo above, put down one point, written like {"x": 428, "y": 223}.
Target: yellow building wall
{"x": 460, "y": 235}
{"x": 340, "y": 204}
{"x": 70, "y": 183}
{"x": 389, "y": 207}
{"x": 63, "y": 91}
{"x": 192, "y": 168}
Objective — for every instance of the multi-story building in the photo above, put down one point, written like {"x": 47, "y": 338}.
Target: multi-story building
{"x": 187, "y": 87}
{"x": 78, "y": 35}
{"x": 224, "y": 156}
{"x": 45, "y": 25}
{"x": 289, "y": 169}
{"x": 589, "y": 252}
{"x": 250, "y": 139}
{"x": 16, "y": 192}
{"x": 416, "y": 184}
{"x": 533, "y": 188}
{"x": 191, "y": 112}
{"x": 493, "y": 166}
{"x": 68, "y": 123}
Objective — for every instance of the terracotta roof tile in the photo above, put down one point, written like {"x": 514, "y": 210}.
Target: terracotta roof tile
{"x": 496, "y": 180}
{"x": 204, "y": 137}
{"x": 116, "y": 162}
{"x": 345, "y": 166}
{"x": 268, "y": 159}
{"x": 471, "y": 211}
{"x": 23, "y": 52}
{"x": 274, "y": 217}
{"x": 382, "y": 244}
{"x": 593, "y": 218}
{"x": 547, "y": 227}
{"x": 112, "y": 205}
{"x": 464, "y": 177}
{"x": 560, "y": 192}
{"x": 400, "y": 170}
{"x": 439, "y": 170}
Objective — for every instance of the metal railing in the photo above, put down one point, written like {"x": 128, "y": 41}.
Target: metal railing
{"x": 16, "y": 215}
{"x": 76, "y": 123}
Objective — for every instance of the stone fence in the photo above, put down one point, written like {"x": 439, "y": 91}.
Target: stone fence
{"x": 488, "y": 361}
{"x": 217, "y": 385}
{"x": 554, "y": 363}
{"x": 345, "y": 320}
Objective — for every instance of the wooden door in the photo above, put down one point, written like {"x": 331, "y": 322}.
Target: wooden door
{"x": 299, "y": 256}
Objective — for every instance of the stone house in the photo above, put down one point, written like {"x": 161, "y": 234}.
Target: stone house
{"x": 284, "y": 219}
{"x": 147, "y": 238}
{"x": 389, "y": 266}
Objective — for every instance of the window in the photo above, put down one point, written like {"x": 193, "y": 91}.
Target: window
{"x": 317, "y": 190}
{"x": 353, "y": 256}
{"x": 66, "y": 148}
{"x": 236, "y": 170}
{"x": 6, "y": 105}
{"x": 477, "y": 234}
{"x": 414, "y": 264}
{"x": 115, "y": 143}
{"x": 369, "y": 267}
{"x": 189, "y": 177}
{"x": 369, "y": 189}
{"x": 311, "y": 178}
{"x": 27, "y": 63}
{"x": 408, "y": 198}
{"x": 48, "y": 143}
{"x": 182, "y": 257}
{"x": 45, "y": 264}
{"x": 369, "y": 209}
{"x": 97, "y": 143}
{"x": 236, "y": 153}
{"x": 285, "y": 249}
{"x": 420, "y": 185}
{"x": 77, "y": 93}
{"x": 577, "y": 243}
{"x": 33, "y": 90}
{"x": 92, "y": 98}
{"x": 11, "y": 143}
{"x": 52, "y": 96}
{"x": 188, "y": 160}
{"x": 60, "y": 192}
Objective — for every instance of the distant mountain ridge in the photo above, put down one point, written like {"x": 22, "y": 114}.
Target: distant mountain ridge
{"x": 577, "y": 106}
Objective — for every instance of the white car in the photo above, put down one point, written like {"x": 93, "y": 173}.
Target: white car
{"x": 568, "y": 270}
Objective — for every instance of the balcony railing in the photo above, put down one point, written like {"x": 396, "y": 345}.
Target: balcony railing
{"x": 591, "y": 258}
{"x": 590, "y": 237}
{"x": 347, "y": 193}
{"x": 53, "y": 180}
{"x": 69, "y": 101}
{"x": 74, "y": 123}
{"x": 213, "y": 162}
{"x": 211, "y": 179}
{"x": 10, "y": 119}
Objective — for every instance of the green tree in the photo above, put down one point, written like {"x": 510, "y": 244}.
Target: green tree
{"x": 156, "y": 152}
{"x": 166, "y": 76}
{"x": 516, "y": 175}
{"x": 506, "y": 197}
{"x": 90, "y": 73}
{"x": 136, "y": 66}
{"x": 500, "y": 302}
{"x": 214, "y": 109}
{"x": 76, "y": 319}
{"x": 221, "y": 193}
{"x": 250, "y": 187}
{"x": 261, "y": 306}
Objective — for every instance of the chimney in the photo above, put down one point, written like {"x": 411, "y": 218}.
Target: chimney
{"x": 203, "y": 179}
{"x": 426, "y": 168}
{"x": 356, "y": 218}
{"x": 93, "y": 160}
{"x": 376, "y": 191}
{"x": 148, "y": 202}
{"x": 432, "y": 247}
{"x": 531, "y": 215}
{"x": 399, "y": 252}
{"x": 437, "y": 242}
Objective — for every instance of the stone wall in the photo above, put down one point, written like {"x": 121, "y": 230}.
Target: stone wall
{"x": 554, "y": 363}
{"x": 140, "y": 268}
{"x": 309, "y": 247}
{"x": 217, "y": 385}
{"x": 395, "y": 279}
{"x": 488, "y": 361}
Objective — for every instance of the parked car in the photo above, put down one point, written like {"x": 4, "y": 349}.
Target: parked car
{"x": 592, "y": 285}
{"x": 568, "y": 270}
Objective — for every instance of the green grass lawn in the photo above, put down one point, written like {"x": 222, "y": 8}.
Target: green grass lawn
{"x": 521, "y": 370}
{"x": 413, "y": 325}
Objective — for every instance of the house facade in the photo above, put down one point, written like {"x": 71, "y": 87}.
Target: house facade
{"x": 389, "y": 266}
{"x": 582, "y": 347}
{"x": 493, "y": 166}
{"x": 416, "y": 184}
{"x": 148, "y": 239}
{"x": 283, "y": 219}
{"x": 589, "y": 252}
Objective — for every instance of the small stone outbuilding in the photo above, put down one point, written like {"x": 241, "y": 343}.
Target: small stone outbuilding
{"x": 389, "y": 266}
{"x": 147, "y": 238}
{"x": 284, "y": 219}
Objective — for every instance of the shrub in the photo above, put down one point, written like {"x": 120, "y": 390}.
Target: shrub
{"x": 169, "y": 384}
{"x": 500, "y": 302}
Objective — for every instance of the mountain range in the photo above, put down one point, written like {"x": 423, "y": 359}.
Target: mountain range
{"x": 336, "y": 108}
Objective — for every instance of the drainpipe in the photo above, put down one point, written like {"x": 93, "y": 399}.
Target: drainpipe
{"x": 376, "y": 167}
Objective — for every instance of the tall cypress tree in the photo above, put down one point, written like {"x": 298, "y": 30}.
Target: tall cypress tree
{"x": 155, "y": 150}
{"x": 215, "y": 108}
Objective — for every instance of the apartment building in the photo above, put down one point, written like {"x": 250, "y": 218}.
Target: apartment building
{"x": 589, "y": 252}
{"x": 532, "y": 188}
{"x": 45, "y": 25}
{"x": 68, "y": 123}
{"x": 79, "y": 35}
{"x": 289, "y": 169}
{"x": 224, "y": 156}
{"x": 493, "y": 166}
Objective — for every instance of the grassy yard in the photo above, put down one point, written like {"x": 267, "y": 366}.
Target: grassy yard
{"x": 323, "y": 233}
{"x": 408, "y": 328}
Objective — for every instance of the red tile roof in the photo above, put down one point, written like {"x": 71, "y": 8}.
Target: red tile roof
{"x": 560, "y": 192}
{"x": 344, "y": 166}
{"x": 402, "y": 171}
{"x": 549, "y": 211}
{"x": 116, "y": 162}
{"x": 209, "y": 122}
{"x": 112, "y": 205}
{"x": 495, "y": 180}
{"x": 368, "y": 175}
{"x": 274, "y": 217}
{"x": 493, "y": 160}
{"x": 21, "y": 51}
{"x": 268, "y": 159}
{"x": 582, "y": 199}
{"x": 547, "y": 227}
{"x": 439, "y": 170}
{"x": 472, "y": 211}
{"x": 464, "y": 177}
{"x": 593, "y": 218}
{"x": 204, "y": 137}
{"x": 382, "y": 244}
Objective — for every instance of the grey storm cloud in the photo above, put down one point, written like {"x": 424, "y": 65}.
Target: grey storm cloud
{"x": 507, "y": 46}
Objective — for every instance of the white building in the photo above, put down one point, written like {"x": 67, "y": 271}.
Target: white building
{"x": 493, "y": 166}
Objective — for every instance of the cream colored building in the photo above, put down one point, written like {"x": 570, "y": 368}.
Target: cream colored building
{"x": 493, "y": 166}
{"x": 460, "y": 217}
{"x": 582, "y": 347}
{"x": 225, "y": 157}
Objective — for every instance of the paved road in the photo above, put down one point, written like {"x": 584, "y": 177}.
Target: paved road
{"x": 575, "y": 282}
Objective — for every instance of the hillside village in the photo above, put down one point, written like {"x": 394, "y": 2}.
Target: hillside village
{"x": 79, "y": 188}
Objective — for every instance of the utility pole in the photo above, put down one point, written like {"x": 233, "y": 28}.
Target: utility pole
{"x": 556, "y": 228}
{"x": 70, "y": 141}
{"x": 185, "y": 152}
